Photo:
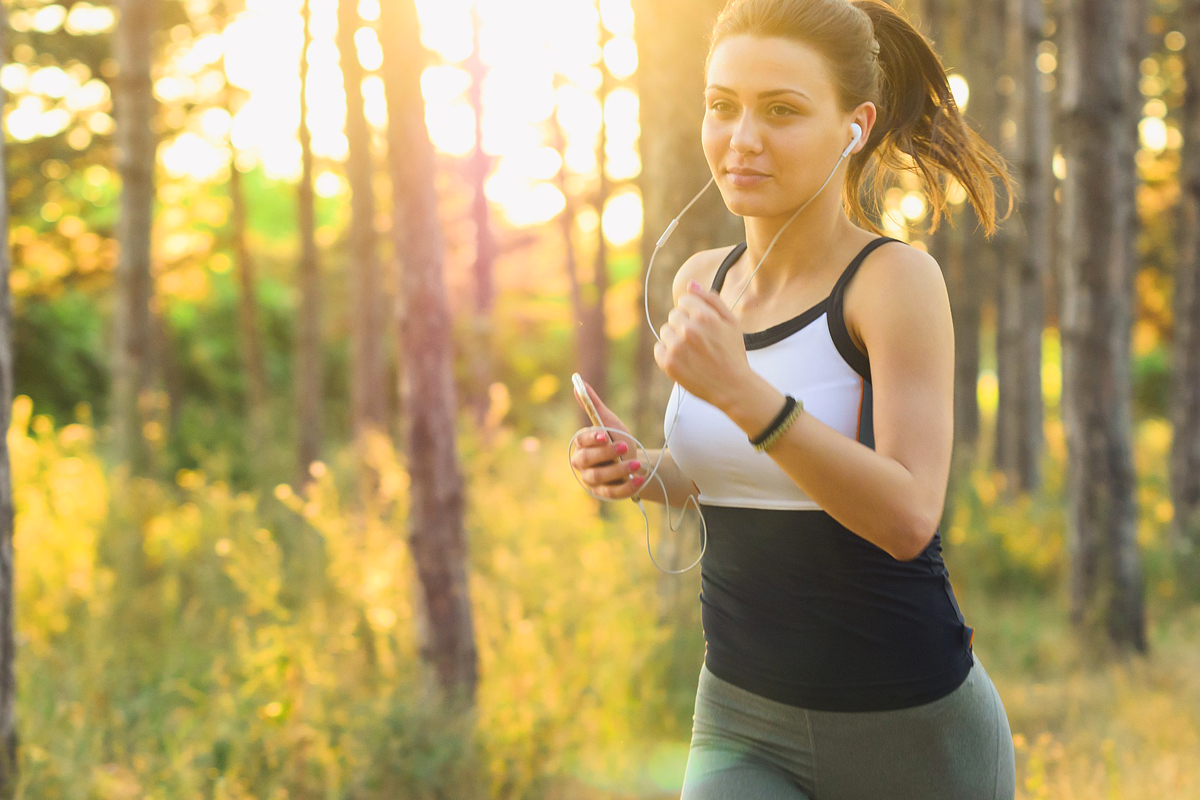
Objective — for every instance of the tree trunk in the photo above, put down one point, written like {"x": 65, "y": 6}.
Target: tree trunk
{"x": 1021, "y": 318}
{"x": 8, "y": 679}
{"x": 975, "y": 276}
{"x": 136, "y": 150}
{"x": 670, "y": 82}
{"x": 479, "y": 169}
{"x": 368, "y": 399}
{"x": 946, "y": 243}
{"x": 257, "y": 415}
{"x": 308, "y": 339}
{"x": 436, "y": 533}
{"x": 1099, "y": 116}
{"x": 1185, "y": 390}
{"x": 566, "y": 221}
{"x": 252, "y": 357}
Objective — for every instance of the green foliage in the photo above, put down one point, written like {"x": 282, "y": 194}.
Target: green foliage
{"x": 59, "y": 353}
{"x": 1152, "y": 382}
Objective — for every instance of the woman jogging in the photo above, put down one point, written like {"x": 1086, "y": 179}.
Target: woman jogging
{"x": 838, "y": 665}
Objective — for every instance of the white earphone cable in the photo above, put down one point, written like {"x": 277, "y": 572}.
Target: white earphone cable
{"x": 857, "y": 134}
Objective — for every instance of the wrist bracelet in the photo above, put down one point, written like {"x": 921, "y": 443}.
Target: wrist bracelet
{"x": 787, "y": 415}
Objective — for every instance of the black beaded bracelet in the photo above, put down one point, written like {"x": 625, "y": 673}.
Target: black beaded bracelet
{"x": 788, "y": 403}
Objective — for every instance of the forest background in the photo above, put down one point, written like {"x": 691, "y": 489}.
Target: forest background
{"x": 294, "y": 291}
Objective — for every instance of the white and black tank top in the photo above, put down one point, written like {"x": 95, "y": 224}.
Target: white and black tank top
{"x": 795, "y": 606}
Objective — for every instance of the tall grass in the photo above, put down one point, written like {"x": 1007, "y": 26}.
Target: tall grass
{"x": 184, "y": 640}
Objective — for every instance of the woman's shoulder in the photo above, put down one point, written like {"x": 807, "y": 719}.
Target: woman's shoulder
{"x": 907, "y": 276}
{"x": 700, "y": 267}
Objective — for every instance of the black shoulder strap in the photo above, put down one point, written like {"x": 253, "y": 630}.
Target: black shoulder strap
{"x": 734, "y": 255}
{"x": 837, "y": 323}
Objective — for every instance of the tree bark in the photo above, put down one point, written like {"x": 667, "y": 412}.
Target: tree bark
{"x": 670, "y": 81}
{"x": 136, "y": 150}
{"x": 945, "y": 244}
{"x": 252, "y": 357}
{"x": 257, "y": 416}
{"x": 1185, "y": 389}
{"x": 436, "y": 532}
{"x": 1021, "y": 318}
{"x": 308, "y": 339}
{"x": 975, "y": 275}
{"x": 8, "y": 680}
{"x": 1099, "y": 117}
{"x": 479, "y": 168}
{"x": 368, "y": 399}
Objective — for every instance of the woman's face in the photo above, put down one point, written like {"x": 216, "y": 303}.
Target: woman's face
{"x": 770, "y": 108}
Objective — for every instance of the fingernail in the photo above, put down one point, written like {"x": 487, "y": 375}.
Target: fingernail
{"x": 695, "y": 286}
{"x": 600, "y": 436}
{"x": 621, "y": 448}
{"x": 635, "y": 465}
{"x": 638, "y": 480}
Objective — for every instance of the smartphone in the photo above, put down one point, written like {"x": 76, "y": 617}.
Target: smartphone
{"x": 584, "y": 398}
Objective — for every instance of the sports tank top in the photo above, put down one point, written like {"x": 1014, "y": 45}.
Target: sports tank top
{"x": 795, "y": 606}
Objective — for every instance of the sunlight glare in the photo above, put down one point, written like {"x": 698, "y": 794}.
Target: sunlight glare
{"x": 622, "y": 221}
{"x": 960, "y": 90}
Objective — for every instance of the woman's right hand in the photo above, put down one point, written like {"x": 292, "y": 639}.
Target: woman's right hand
{"x": 598, "y": 461}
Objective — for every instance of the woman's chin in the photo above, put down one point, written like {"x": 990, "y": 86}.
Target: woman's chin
{"x": 742, "y": 206}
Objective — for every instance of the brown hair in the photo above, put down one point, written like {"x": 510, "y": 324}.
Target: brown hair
{"x": 875, "y": 54}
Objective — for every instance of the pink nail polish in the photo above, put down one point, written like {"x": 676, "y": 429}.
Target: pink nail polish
{"x": 635, "y": 465}
{"x": 638, "y": 480}
{"x": 621, "y": 448}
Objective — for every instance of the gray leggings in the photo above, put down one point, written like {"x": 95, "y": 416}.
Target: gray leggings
{"x": 745, "y": 746}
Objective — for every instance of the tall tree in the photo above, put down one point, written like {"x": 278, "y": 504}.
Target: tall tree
{"x": 368, "y": 399}
{"x": 136, "y": 150}
{"x": 1185, "y": 389}
{"x": 973, "y": 277}
{"x": 308, "y": 340}
{"x": 1021, "y": 315}
{"x": 1099, "y": 116}
{"x": 670, "y": 82}
{"x": 8, "y": 675}
{"x": 478, "y": 170}
{"x": 593, "y": 346}
{"x": 251, "y": 338}
{"x": 944, "y": 30}
{"x": 436, "y": 533}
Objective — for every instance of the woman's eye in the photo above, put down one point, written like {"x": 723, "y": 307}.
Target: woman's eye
{"x": 785, "y": 110}
{"x": 718, "y": 105}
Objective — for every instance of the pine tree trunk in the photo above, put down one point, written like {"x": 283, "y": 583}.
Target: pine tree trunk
{"x": 479, "y": 169}
{"x": 368, "y": 399}
{"x": 1099, "y": 116}
{"x": 1021, "y": 321}
{"x": 975, "y": 276}
{"x": 308, "y": 339}
{"x": 8, "y": 680}
{"x": 136, "y": 148}
{"x": 436, "y": 533}
{"x": 946, "y": 243}
{"x": 670, "y": 82}
{"x": 252, "y": 357}
{"x": 1185, "y": 388}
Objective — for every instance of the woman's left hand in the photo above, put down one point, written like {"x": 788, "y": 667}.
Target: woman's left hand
{"x": 702, "y": 348}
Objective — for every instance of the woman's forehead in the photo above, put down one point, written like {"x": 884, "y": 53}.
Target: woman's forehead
{"x": 749, "y": 65}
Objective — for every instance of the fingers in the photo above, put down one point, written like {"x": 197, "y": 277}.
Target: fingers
{"x": 601, "y": 469}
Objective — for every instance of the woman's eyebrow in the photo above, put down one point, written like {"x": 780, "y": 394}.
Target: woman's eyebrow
{"x": 771, "y": 93}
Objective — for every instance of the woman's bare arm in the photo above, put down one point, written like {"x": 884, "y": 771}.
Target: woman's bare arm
{"x": 679, "y": 486}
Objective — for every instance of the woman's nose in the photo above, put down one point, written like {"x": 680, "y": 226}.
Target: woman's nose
{"x": 745, "y": 134}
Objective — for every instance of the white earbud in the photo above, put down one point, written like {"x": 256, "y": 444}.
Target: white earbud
{"x": 856, "y": 129}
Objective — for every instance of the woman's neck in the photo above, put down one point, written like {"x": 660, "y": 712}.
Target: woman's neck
{"x": 803, "y": 249}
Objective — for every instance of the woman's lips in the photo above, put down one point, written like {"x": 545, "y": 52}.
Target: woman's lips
{"x": 746, "y": 178}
